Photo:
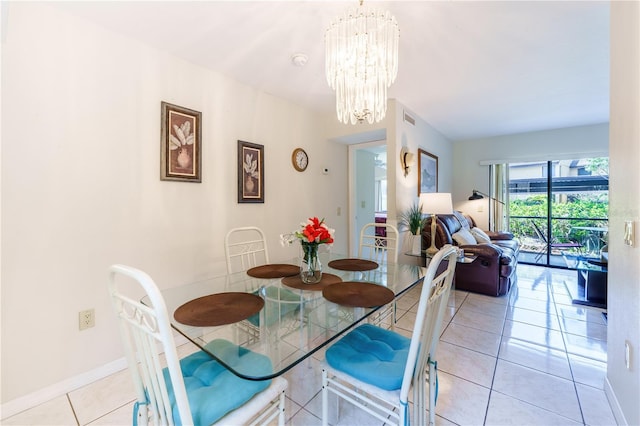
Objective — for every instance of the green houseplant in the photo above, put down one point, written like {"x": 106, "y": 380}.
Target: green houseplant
{"x": 412, "y": 220}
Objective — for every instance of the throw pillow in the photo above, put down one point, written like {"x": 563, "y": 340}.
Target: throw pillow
{"x": 463, "y": 220}
{"x": 464, "y": 237}
{"x": 480, "y": 236}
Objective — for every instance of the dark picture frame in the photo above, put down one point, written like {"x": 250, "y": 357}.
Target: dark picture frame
{"x": 427, "y": 172}
{"x": 250, "y": 172}
{"x": 180, "y": 144}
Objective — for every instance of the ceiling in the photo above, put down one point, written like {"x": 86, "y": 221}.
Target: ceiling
{"x": 471, "y": 69}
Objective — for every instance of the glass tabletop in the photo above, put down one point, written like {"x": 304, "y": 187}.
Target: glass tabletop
{"x": 293, "y": 323}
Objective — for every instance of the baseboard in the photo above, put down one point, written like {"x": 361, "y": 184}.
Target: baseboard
{"x": 613, "y": 402}
{"x": 41, "y": 396}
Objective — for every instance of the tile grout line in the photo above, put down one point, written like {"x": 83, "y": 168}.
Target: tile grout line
{"x": 495, "y": 369}
{"x": 566, "y": 352}
{"x": 73, "y": 410}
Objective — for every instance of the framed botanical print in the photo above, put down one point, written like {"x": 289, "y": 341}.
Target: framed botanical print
{"x": 427, "y": 172}
{"x": 181, "y": 144}
{"x": 250, "y": 172}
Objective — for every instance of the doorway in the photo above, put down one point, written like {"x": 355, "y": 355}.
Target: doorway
{"x": 368, "y": 188}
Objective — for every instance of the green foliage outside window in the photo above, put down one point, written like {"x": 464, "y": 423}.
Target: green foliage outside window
{"x": 569, "y": 210}
{"x": 582, "y": 209}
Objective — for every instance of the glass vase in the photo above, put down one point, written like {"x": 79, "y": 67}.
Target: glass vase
{"x": 310, "y": 266}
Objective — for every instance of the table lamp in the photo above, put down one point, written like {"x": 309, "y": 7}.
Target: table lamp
{"x": 435, "y": 203}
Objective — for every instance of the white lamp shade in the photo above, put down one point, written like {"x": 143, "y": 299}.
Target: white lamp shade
{"x": 436, "y": 203}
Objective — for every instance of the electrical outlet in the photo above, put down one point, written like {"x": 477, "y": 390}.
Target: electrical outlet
{"x": 86, "y": 319}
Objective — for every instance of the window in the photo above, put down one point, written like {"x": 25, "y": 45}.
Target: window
{"x": 567, "y": 201}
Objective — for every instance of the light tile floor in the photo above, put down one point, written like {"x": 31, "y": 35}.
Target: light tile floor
{"x": 527, "y": 358}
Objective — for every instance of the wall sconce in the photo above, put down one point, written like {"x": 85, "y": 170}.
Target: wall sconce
{"x": 406, "y": 160}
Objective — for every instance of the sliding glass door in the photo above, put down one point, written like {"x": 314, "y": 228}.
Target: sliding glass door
{"x": 559, "y": 210}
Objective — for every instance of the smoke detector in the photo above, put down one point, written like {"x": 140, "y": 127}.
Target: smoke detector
{"x": 299, "y": 59}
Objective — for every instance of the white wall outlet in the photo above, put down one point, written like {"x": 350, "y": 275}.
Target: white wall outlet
{"x": 86, "y": 319}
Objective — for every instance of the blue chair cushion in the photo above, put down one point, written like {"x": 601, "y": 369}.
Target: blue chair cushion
{"x": 212, "y": 390}
{"x": 371, "y": 354}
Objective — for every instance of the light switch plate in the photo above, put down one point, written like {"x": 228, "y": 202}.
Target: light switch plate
{"x": 629, "y": 238}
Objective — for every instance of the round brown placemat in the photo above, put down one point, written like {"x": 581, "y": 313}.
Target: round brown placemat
{"x": 353, "y": 264}
{"x": 358, "y": 294}
{"x": 218, "y": 309}
{"x": 296, "y": 282}
{"x": 274, "y": 270}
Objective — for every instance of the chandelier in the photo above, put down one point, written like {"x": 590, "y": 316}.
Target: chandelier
{"x": 361, "y": 49}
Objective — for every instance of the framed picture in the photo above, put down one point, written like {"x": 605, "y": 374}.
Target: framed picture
{"x": 181, "y": 144}
{"x": 427, "y": 172}
{"x": 250, "y": 172}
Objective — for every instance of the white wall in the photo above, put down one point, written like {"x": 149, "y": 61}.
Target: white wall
{"x": 471, "y": 157}
{"x": 81, "y": 187}
{"x": 421, "y": 135}
{"x": 402, "y": 190}
{"x": 623, "y": 301}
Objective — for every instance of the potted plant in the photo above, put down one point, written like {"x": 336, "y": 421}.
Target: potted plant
{"x": 412, "y": 220}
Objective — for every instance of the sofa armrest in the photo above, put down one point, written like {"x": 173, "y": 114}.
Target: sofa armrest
{"x": 501, "y": 235}
{"x": 486, "y": 253}
{"x": 489, "y": 272}
{"x": 482, "y": 250}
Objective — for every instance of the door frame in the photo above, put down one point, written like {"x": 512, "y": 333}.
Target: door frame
{"x": 354, "y": 233}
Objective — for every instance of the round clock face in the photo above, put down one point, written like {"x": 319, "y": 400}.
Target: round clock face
{"x": 299, "y": 159}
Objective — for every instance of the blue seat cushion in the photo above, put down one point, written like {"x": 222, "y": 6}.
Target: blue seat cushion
{"x": 371, "y": 354}
{"x": 212, "y": 390}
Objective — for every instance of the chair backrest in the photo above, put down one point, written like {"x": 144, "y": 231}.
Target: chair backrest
{"x": 379, "y": 244}
{"x": 431, "y": 308}
{"x": 245, "y": 248}
{"x": 146, "y": 332}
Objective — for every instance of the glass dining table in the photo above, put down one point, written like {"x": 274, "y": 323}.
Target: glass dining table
{"x": 295, "y": 320}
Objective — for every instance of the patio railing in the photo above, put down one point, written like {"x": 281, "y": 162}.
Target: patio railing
{"x": 590, "y": 233}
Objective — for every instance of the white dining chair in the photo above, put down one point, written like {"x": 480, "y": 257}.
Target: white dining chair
{"x": 245, "y": 248}
{"x": 379, "y": 242}
{"x": 193, "y": 390}
{"x": 374, "y": 368}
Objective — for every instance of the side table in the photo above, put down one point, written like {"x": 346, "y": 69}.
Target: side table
{"x": 592, "y": 279}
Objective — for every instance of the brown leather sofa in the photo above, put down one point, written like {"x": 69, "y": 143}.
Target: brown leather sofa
{"x": 493, "y": 271}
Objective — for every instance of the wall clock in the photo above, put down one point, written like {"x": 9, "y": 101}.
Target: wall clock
{"x": 299, "y": 159}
